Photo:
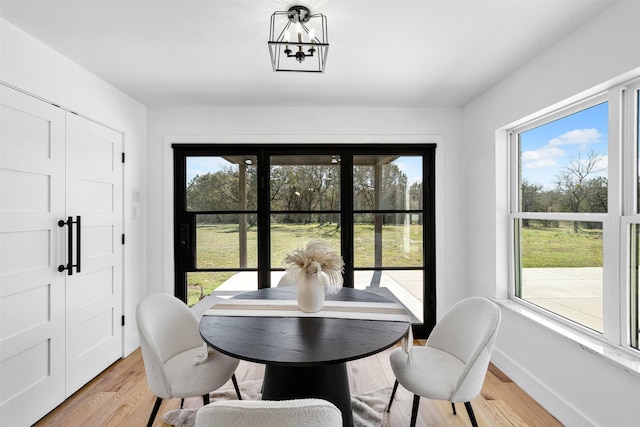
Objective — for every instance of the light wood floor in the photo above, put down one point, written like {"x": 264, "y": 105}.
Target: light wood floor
{"x": 120, "y": 397}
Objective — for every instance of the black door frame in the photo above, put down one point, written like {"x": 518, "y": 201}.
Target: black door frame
{"x": 184, "y": 222}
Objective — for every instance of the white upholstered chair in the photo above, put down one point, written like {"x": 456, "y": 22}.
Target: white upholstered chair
{"x": 285, "y": 280}
{"x": 453, "y": 364}
{"x": 174, "y": 353}
{"x": 269, "y": 413}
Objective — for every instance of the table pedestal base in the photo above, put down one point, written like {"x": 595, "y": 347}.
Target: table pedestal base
{"x": 329, "y": 382}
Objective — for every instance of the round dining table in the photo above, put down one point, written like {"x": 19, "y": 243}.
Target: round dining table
{"x": 304, "y": 357}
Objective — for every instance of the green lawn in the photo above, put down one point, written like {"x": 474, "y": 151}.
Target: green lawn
{"x": 561, "y": 247}
{"x": 218, "y": 247}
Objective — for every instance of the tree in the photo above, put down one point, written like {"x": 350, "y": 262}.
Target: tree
{"x": 308, "y": 188}
{"x": 530, "y": 197}
{"x": 220, "y": 191}
{"x": 392, "y": 189}
{"x": 572, "y": 182}
{"x": 363, "y": 188}
{"x": 305, "y": 188}
{"x": 415, "y": 196}
{"x": 597, "y": 199}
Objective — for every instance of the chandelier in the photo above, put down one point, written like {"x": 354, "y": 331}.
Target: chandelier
{"x": 298, "y": 40}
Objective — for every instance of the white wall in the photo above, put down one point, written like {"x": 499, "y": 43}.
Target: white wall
{"x": 289, "y": 125}
{"x": 577, "y": 386}
{"x": 29, "y": 65}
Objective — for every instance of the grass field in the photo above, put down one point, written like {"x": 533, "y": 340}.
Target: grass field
{"x": 547, "y": 247}
{"x": 218, "y": 247}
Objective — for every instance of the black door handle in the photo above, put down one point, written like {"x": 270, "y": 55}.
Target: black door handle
{"x": 69, "y": 267}
{"x": 185, "y": 241}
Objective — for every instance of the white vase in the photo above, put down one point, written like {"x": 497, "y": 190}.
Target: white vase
{"x": 310, "y": 294}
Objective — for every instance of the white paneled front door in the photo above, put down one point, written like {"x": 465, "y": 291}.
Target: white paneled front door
{"x": 57, "y": 331}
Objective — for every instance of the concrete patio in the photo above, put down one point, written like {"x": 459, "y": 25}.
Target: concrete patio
{"x": 574, "y": 293}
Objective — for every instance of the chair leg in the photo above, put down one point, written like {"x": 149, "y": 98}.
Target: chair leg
{"x": 154, "y": 411}
{"x": 393, "y": 394}
{"x": 453, "y": 406}
{"x": 182, "y": 403}
{"x": 235, "y": 385}
{"x": 205, "y": 399}
{"x": 472, "y": 417}
{"x": 414, "y": 410}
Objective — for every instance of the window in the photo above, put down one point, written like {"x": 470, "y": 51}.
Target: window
{"x": 635, "y": 279}
{"x": 563, "y": 181}
{"x": 575, "y": 211}
{"x": 239, "y": 209}
{"x": 633, "y": 107}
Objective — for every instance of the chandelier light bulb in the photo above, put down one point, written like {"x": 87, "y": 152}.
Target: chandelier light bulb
{"x": 312, "y": 35}
{"x": 287, "y": 36}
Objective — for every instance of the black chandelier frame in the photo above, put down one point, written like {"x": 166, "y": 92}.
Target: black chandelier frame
{"x": 294, "y": 55}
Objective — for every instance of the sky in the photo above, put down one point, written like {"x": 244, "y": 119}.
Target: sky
{"x": 412, "y": 167}
{"x": 548, "y": 149}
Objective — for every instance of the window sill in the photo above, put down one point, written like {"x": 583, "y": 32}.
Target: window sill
{"x": 626, "y": 360}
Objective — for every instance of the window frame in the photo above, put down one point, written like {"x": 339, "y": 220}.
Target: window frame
{"x": 616, "y": 226}
{"x": 630, "y": 218}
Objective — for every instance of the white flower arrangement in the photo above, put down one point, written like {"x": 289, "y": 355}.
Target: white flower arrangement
{"x": 316, "y": 257}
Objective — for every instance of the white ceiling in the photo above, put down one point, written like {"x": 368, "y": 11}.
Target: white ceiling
{"x": 382, "y": 53}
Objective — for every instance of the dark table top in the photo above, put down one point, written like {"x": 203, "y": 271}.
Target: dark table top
{"x": 301, "y": 341}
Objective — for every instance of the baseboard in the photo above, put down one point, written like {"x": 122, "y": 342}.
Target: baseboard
{"x": 551, "y": 401}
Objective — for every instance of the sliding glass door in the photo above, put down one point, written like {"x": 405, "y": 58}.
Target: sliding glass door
{"x": 388, "y": 227}
{"x": 238, "y": 210}
{"x": 215, "y": 223}
{"x": 304, "y": 204}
